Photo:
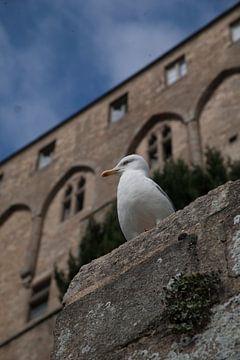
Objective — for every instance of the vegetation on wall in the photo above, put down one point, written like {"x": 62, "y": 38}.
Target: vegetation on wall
{"x": 99, "y": 239}
{"x": 188, "y": 301}
{"x": 182, "y": 183}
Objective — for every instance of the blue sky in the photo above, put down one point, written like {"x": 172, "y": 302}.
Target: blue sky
{"x": 57, "y": 56}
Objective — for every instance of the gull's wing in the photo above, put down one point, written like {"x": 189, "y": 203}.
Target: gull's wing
{"x": 162, "y": 192}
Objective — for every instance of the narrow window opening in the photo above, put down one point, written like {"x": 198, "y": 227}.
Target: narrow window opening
{"x": 45, "y": 156}
{"x": 233, "y": 138}
{"x": 80, "y": 202}
{"x": 66, "y": 209}
{"x": 152, "y": 150}
{"x": 68, "y": 191}
{"x": 39, "y": 299}
{"x": 235, "y": 31}
{"x": 167, "y": 142}
{"x": 80, "y": 195}
{"x": 118, "y": 108}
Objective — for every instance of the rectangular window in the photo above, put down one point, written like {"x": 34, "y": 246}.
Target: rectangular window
{"x": 235, "y": 31}
{"x": 118, "y": 108}
{"x": 176, "y": 71}
{"x": 39, "y": 298}
{"x": 45, "y": 155}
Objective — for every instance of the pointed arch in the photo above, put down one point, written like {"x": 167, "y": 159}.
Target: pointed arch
{"x": 15, "y": 236}
{"x": 56, "y": 215}
{"x": 217, "y": 113}
{"x": 73, "y": 170}
{"x": 9, "y": 211}
{"x": 148, "y": 125}
{"x": 210, "y": 89}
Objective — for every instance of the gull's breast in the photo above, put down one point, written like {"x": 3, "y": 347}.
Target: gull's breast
{"x": 140, "y": 205}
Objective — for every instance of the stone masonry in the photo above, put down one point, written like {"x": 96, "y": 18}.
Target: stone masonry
{"x": 113, "y": 308}
{"x": 201, "y": 108}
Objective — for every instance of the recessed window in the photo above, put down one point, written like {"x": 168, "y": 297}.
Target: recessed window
{"x": 159, "y": 146}
{"x": 80, "y": 194}
{"x": 1, "y": 178}
{"x": 235, "y": 31}
{"x": 74, "y": 198}
{"x": 233, "y": 138}
{"x": 118, "y": 108}
{"x": 176, "y": 71}
{"x": 167, "y": 142}
{"x": 67, "y": 201}
{"x": 45, "y": 156}
{"x": 39, "y": 299}
{"x": 152, "y": 149}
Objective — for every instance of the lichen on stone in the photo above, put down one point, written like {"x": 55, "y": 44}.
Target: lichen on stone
{"x": 145, "y": 355}
{"x": 235, "y": 253}
{"x": 188, "y": 301}
{"x": 219, "y": 341}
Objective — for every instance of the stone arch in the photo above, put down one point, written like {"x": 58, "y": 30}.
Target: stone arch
{"x": 11, "y": 209}
{"x": 73, "y": 170}
{"x": 150, "y": 123}
{"x": 217, "y": 114}
{"x": 15, "y": 236}
{"x": 58, "y": 234}
{"x": 179, "y": 144}
{"x": 210, "y": 89}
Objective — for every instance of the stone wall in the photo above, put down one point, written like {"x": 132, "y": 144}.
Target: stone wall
{"x": 114, "y": 310}
{"x": 35, "y": 343}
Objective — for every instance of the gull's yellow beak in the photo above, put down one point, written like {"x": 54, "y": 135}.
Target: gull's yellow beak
{"x": 109, "y": 172}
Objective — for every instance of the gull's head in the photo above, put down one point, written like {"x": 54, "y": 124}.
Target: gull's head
{"x": 130, "y": 162}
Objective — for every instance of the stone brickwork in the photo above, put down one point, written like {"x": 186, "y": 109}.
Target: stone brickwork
{"x": 34, "y": 344}
{"x": 114, "y": 305}
{"x": 202, "y": 108}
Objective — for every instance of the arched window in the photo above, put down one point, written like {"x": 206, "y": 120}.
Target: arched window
{"x": 158, "y": 146}
{"x": 167, "y": 142}
{"x": 80, "y": 192}
{"x": 74, "y": 197}
{"x": 67, "y": 202}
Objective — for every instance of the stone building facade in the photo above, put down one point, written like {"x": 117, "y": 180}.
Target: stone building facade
{"x": 175, "y": 107}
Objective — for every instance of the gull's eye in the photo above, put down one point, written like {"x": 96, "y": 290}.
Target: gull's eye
{"x": 125, "y": 162}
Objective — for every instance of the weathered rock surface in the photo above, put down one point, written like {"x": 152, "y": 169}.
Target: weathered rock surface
{"x": 113, "y": 308}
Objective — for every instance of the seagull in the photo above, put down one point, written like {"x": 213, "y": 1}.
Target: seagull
{"x": 141, "y": 203}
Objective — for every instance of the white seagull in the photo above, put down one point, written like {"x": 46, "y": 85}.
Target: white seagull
{"x": 141, "y": 203}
